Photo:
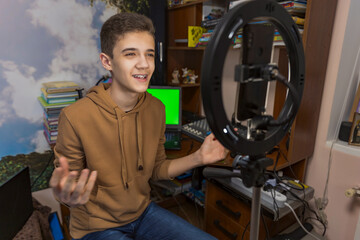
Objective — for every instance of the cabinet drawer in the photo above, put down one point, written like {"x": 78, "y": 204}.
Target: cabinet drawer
{"x": 220, "y": 226}
{"x": 233, "y": 208}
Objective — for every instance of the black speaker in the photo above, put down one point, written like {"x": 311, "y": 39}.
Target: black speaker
{"x": 157, "y": 14}
{"x": 345, "y": 129}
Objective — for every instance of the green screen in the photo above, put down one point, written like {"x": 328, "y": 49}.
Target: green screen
{"x": 170, "y": 98}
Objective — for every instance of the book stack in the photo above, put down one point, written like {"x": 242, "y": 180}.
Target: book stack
{"x": 54, "y": 97}
{"x": 297, "y": 9}
{"x": 195, "y": 195}
{"x": 277, "y": 36}
{"x": 237, "y": 39}
{"x": 205, "y": 38}
{"x": 172, "y": 3}
{"x": 212, "y": 19}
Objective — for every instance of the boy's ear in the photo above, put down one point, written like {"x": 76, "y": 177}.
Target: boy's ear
{"x": 106, "y": 61}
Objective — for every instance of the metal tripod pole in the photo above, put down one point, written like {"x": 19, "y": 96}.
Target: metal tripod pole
{"x": 255, "y": 213}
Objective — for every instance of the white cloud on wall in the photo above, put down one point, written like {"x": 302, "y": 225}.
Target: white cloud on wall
{"x": 4, "y": 112}
{"x": 107, "y": 14}
{"x": 73, "y": 55}
{"x": 40, "y": 143}
{"x": 76, "y": 60}
{"x": 22, "y": 91}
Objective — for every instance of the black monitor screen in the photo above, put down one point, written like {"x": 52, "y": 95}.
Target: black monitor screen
{"x": 15, "y": 204}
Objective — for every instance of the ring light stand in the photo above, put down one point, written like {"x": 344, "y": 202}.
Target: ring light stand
{"x": 252, "y": 75}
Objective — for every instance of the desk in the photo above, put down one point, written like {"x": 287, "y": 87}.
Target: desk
{"x": 228, "y": 211}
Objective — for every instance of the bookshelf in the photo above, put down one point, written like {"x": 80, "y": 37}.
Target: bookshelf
{"x": 179, "y": 55}
{"x": 298, "y": 146}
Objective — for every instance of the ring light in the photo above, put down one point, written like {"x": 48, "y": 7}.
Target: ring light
{"x": 212, "y": 69}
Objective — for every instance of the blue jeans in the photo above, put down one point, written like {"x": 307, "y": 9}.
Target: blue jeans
{"x": 155, "y": 223}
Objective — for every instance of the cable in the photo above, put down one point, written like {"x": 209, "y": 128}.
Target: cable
{"x": 275, "y": 165}
{"x": 307, "y": 206}
{"x": 295, "y": 97}
{"x": 243, "y": 235}
{"x": 288, "y": 185}
{"x": 182, "y": 210}
{"x": 44, "y": 169}
{"x": 103, "y": 78}
{"x": 275, "y": 205}
{"x": 297, "y": 219}
{"x": 286, "y": 159}
{"x": 303, "y": 201}
{"x": 276, "y": 160}
{"x": 324, "y": 200}
{"x": 323, "y": 234}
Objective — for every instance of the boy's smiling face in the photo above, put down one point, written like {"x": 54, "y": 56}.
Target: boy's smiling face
{"x": 133, "y": 63}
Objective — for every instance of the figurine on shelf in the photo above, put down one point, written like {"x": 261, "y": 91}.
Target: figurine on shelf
{"x": 175, "y": 76}
{"x": 189, "y": 76}
{"x": 193, "y": 78}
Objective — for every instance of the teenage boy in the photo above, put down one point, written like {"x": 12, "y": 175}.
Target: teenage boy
{"x": 114, "y": 137}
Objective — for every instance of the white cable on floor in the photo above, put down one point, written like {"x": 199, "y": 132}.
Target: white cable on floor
{"x": 302, "y": 226}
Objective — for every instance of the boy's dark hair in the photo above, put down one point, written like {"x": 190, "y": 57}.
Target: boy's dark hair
{"x": 120, "y": 24}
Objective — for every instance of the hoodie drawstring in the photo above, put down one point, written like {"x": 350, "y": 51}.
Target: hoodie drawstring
{"x": 121, "y": 140}
{"x": 140, "y": 162}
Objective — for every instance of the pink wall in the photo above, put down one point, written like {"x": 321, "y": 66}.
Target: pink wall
{"x": 342, "y": 212}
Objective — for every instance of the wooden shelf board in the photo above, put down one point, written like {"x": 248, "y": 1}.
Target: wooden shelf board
{"x": 185, "y": 85}
{"x": 187, "y": 48}
{"x": 186, "y": 4}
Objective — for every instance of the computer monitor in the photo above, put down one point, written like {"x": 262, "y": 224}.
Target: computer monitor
{"x": 15, "y": 204}
{"x": 171, "y": 97}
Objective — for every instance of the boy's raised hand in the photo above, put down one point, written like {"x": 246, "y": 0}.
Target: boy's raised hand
{"x": 65, "y": 187}
{"x": 211, "y": 150}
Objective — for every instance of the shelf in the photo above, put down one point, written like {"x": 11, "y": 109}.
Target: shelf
{"x": 184, "y": 48}
{"x": 186, "y": 4}
{"x": 344, "y": 147}
{"x": 185, "y": 85}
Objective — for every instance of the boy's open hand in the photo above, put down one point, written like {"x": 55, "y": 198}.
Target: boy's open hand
{"x": 65, "y": 187}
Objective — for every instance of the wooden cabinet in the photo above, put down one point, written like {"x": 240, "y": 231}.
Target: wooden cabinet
{"x": 227, "y": 216}
{"x": 299, "y": 145}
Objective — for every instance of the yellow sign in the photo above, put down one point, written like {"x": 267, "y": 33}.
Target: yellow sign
{"x": 194, "y": 34}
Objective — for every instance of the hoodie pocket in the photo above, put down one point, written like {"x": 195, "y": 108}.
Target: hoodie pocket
{"x": 121, "y": 206}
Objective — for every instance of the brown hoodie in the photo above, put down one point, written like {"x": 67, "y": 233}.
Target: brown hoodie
{"x": 126, "y": 149}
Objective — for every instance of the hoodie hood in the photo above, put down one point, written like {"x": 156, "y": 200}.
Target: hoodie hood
{"x": 102, "y": 98}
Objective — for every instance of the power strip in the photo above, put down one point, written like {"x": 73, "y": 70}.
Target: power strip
{"x": 267, "y": 197}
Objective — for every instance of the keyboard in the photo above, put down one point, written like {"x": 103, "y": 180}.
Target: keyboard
{"x": 198, "y": 129}
{"x": 173, "y": 139}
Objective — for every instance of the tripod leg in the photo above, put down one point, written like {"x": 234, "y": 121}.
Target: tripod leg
{"x": 255, "y": 213}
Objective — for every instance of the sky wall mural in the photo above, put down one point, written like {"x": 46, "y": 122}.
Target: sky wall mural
{"x": 41, "y": 41}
